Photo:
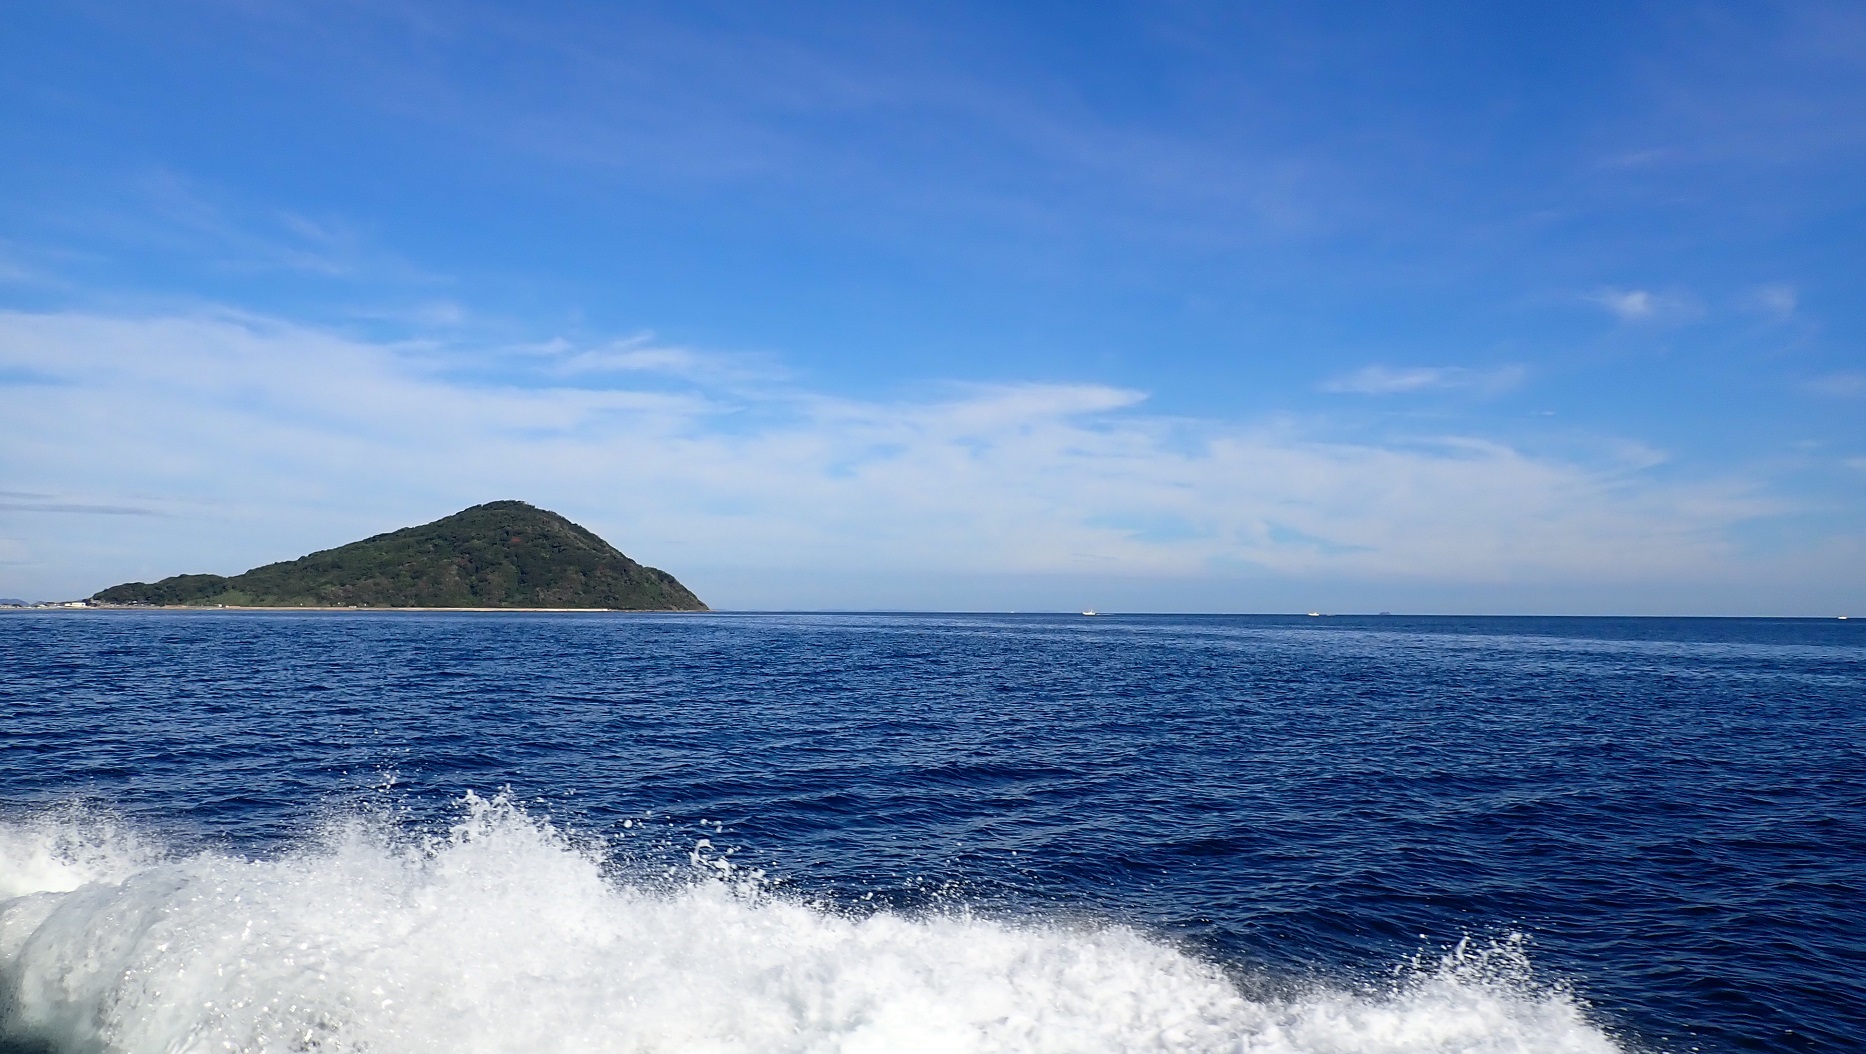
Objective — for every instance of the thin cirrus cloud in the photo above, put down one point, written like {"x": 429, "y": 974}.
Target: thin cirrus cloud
{"x": 643, "y": 355}
{"x": 1846, "y": 384}
{"x": 216, "y": 230}
{"x": 1405, "y": 380}
{"x": 12, "y": 502}
{"x": 1032, "y": 479}
{"x": 1779, "y": 299}
{"x": 1641, "y": 305}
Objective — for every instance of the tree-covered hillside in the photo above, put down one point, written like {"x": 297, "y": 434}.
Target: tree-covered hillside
{"x": 501, "y": 554}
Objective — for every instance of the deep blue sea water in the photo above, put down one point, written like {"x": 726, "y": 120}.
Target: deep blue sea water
{"x": 463, "y": 831}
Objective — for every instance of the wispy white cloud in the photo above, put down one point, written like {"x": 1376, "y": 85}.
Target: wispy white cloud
{"x": 14, "y": 271}
{"x": 1777, "y": 298}
{"x": 36, "y": 504}
{"x": 1766, "y": 87}
{"x": 1641, "y": 305}
{"x": 24, "y": 265}
{"x": 643, "y": 355}
{"x": 1399, "y": 380}
{"x": 261, "y": 439}
{"x": 215, "y": 228}
{"x": 1846, "y": 384}
{"x": 423, "y": 315}
{"x": 1644, "y": 157}
{"x": 778, "y": 101}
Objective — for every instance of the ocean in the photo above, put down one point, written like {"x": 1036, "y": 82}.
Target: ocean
{"x": 463, "y": 832}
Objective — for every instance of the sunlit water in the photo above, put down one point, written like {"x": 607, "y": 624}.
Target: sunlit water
{"x": 394, "y": 832}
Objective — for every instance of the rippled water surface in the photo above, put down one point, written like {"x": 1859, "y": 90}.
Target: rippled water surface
{"x": 392, "y": 831}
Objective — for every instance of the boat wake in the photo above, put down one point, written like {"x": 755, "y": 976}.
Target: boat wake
{"x": 506, "y": 935}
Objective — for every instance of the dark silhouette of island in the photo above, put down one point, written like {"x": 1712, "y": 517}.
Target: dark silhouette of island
{"x": 503, "y": 554}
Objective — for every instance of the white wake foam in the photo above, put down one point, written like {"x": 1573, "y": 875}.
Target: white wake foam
{"x": 506, "y": 936}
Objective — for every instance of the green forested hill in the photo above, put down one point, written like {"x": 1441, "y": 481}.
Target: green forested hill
{"x": 501, "y": 554}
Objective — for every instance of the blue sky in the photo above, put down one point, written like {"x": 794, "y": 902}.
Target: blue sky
{"x": 1173, "y": 306}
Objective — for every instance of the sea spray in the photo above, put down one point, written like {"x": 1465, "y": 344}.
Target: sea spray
{"x": 504, "y": 934}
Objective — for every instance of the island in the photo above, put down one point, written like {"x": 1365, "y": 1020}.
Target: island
{"x": 503, "y": 554}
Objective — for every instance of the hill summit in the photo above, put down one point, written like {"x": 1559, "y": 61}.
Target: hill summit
{"x": 503, "y": 554}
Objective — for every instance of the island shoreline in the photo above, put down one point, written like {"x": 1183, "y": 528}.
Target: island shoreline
{"x": 309, "y": 607}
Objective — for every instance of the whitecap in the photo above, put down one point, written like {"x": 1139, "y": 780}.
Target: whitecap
{"x": 504, "y": 935}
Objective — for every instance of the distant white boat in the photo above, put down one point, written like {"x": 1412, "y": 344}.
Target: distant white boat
{"x": 1315, "y": 614}
{"x": 1091, "y": 611}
